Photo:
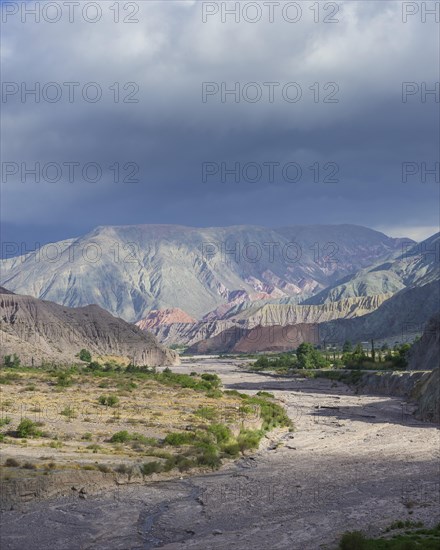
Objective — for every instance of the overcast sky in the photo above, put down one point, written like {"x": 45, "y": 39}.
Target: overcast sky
{"x": 329, "y": 148}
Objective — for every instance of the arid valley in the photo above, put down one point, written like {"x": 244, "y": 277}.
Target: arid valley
{"x": 353, "y": 461}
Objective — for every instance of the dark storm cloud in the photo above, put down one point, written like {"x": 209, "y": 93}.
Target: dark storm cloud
{"x": 170, "y": 132}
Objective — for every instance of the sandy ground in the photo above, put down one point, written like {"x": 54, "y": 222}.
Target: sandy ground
{"x": 354, "y": 462}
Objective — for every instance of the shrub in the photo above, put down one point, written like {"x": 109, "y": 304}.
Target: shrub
{"x": 231, "y": 449}
{"x": 124, "y": 469}
{"x": 64, "y": 380}
{"x": 29, "y": 466}
{"x": 109, "y": 400}
{"x": 208, "y": 456}
{"x": 179, "y": 438}
{"x": 11, "y": 361}
{"x": 248, "y": 439}
{"x": 120, "y": 437}
{"x": 4, "y": 421}
{"x": 265, "y": 394}
{"x": 87, "y": 436}
{"x": 149, "y": 468}
{"x": 139, "y": 438}
{"x": 27, "y": 428}
{"x": 353, "y": 540}
{"x": 104, "y": 468}
{"x": 69, "y": 412}
{"x": 213, "y": 378}
{"x": 214, "y": 394}
{"x": 112, "y": 400}
{"x": 94, "y": 366}
{"x": 208, "y": 413}
{"x": 12, "y": 463}
{"x": 221, "y": 432}
{"x": 85, "y": 355}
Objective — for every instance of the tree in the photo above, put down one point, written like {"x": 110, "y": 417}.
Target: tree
{"x": 262, "y": 362}
{"x": 347, "y": 347}
{"x": 12, "y": 361}
{"x": 85, "y": 355}
{"x": 309, "y": 357}
{"x": 373, "y": 351}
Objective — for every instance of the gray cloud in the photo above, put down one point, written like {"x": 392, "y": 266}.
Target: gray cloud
{"x": 170, "y": 132}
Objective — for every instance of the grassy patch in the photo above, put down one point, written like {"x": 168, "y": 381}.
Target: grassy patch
{"x": 411, "y": 539}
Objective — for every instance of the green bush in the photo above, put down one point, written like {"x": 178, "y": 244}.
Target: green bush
{"x": 27, "y": 428}
{"x": 221, "y": 432}
{"x": 149, "y": 468}
{"x": 231, "y": 449}
{"x": 11, "y": 361}
{"x": 353, "y": 540}
{"x": 179, "y": 438}
{"x": 109, "y": 400}
{"x": 4, "y": 421}
{"x": 85, "y": 355}
{"x": 248, "y": 439}
{"x": 64, "y": 380}
{"x": 208, "y": 456}
{"x": 120, "y": 437}
{"x": 69, "y": 412}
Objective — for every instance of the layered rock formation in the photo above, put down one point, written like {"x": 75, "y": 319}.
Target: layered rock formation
{"x": 247, "y": 315}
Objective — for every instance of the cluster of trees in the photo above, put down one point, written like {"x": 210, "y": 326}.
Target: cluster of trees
{"x": 305, "y": 357}
{"x": 354, "y": 357}
{"x": 357, "y": 357}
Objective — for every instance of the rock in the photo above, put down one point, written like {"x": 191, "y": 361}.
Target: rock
{"x": 217, "y": 532}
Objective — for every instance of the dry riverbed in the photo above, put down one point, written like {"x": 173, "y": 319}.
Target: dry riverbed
{"x": 354, "y": 462}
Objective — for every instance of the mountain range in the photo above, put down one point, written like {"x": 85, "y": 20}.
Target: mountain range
{"x": 216, "y": 288}
{"x": 131, "y": 270}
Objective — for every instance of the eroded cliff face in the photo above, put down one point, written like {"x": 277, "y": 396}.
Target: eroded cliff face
{"x": 421, "y": 383}
{"x": 428, "y": 398}
{"x": 425, "y": 354}
{"x": 39, "y": 330}
{"x": 397, "y": 383}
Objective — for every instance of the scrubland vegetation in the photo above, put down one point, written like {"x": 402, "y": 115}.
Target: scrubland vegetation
{"x": 94, "y": 416}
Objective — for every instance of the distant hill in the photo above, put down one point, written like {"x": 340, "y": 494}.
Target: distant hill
{"x": 416, "y": 266}
{"x": 46, "y": 331}
{"x": 405, "y": 313}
